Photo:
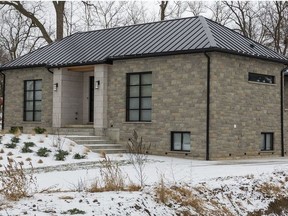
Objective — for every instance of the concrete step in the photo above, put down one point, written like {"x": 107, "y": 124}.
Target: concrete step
{"x": 103, "y": 146}
{"x": 82, "y": 142}
{"x": 75, "y": 131}
{"x": 82, "y": 138}
{"x": 111, "y": 151}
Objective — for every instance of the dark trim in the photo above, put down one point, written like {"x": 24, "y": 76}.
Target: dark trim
{"x": 282, "y": 109}
{"x": 50, "y": 70}
{"x": 252, "y": 75}
{"x": 3, "y": 106}
{"x": 272, "y": 141}
{"x": 139, "y": 97}
{"x": 208, "y": 109}
{"x": 172, "y": 139}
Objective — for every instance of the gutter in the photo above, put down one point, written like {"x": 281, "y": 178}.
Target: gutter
{"x": 208, "y": 109}
{"x": 283, "y": 71}
{"x": 3, "y": 106}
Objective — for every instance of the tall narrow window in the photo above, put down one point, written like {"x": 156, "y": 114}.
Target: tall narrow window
{"x": 32, "y": 100}
{"x": 180, "y": 141}
{"x": 266, "y": 141}
{"x": 139, "y": 96}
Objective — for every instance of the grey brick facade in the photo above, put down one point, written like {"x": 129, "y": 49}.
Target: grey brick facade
{"x": 14, "y": 98}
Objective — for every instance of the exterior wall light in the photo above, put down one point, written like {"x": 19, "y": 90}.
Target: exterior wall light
{"x": 55, "y": 86}
{"x": 97, "y": 84}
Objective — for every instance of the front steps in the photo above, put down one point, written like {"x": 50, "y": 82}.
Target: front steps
{"x": 85, "y": 136}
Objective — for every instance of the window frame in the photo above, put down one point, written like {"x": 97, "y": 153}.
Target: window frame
{"x": 182, "y": 135}
{"x": 265, "y": 142}
{"x": 261, "y": 75}
{"x": 128, "y": 97}
{"x": 33, "y": 111}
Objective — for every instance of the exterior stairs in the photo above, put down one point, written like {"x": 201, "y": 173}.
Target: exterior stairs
{"x": 85, "y": 136}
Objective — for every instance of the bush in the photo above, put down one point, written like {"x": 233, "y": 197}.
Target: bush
{"x": 14, "y": 130}
{"x": 61, "y": 155}
{"x": 26, "y": 148}
{"x": 10, "y": 145}
{"x": 74, "y": 211}
{"x": 15, "y": 184}
{"x": 15, "y": 140}
{"x": 79, "y": 156}
{"x": 39, "y": 130}
{"x": 43, "y": 152}
{"x": 29, "y": 144}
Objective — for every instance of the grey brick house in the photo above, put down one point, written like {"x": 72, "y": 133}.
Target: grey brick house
{"x": 190, "y": 87}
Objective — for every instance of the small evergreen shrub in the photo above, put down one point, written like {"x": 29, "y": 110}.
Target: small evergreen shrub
{"x": 43, "y": 152}
{"x": 39, "y": 130}
{"x": 61, "y": 155}
{"x": 79, "y": 156}
{"x": 26, "y": 148}
{"x": 11, "y": 145}
{"x": 14, "y": 130}
{"x": 74, "y": 211}
{"x": 15, "y": 140}
{"x": 29, "y": 144}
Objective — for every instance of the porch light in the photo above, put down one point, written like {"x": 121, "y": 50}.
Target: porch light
{"x": 55, "y": 86}
{"x": 97, "y": 83}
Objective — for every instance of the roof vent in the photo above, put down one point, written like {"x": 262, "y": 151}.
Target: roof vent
{"x": 252, "y": 45}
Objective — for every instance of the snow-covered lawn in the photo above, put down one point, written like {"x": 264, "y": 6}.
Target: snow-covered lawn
{"x": 218, "y": 187}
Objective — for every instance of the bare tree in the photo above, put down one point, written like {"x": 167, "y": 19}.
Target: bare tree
{"x": 196, "y": 7}
{"x": 135, "y": 13}
{"x": 177, "y": 9}
{"x": 22, "y": 8}
{"x": 274, "y": 19}
{"x": 220, "y": 12}
{"x": 163, "y": 7}
{"x": 108, "y": 14}
{"x": 17, "y": 33}
{"x": 245, "y": 16}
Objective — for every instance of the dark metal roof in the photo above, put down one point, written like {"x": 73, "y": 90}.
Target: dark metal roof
{"x": 186, "y": 35}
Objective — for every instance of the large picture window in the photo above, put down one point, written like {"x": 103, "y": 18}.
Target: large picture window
{"x": 32, "y": 100}
{"x": 180, "y": 141}
{"x": 139, "y": 97}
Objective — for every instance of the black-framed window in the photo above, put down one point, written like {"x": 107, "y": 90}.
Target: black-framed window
{"x": 32, "y": 100}
{"x": 267, "y": 141}
{"x": 261, "y": 78}
{"x": 180, "y": 141}
{"x": 139, "y": 97}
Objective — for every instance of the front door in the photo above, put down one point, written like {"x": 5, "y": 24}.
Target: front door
{"x": 91, "y": 99}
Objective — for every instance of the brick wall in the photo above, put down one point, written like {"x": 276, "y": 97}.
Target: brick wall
{"x": 14, "y": 97}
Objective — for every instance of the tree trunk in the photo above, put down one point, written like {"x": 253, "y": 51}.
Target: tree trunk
{"x": 59, "y": 9}
{"x": 163, "y": 7}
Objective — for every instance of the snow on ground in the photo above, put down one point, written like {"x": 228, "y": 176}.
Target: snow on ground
{"x": 233, "y": 184}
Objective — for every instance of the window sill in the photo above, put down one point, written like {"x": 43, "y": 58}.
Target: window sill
{"x": 179, "y": 152}
{"x": 267, "y": 151}
{"x": 259, "y": 83}
{"x": 30, "y": 122}
{"x": 137, "y": 122}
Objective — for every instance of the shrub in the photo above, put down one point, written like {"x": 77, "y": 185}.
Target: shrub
{"x": 43, "y": 152}
{"x": 15, "y": 140}
{"x": 111, "y": 176}
{"x": 14, "y": 130}
{"x": 39, "y": 130}
{"x": 61, "y": 155}
{"x": 15, "y": 184}
{"x": 10, "y": 145}
{"x": 26, "y": 148}
{"x": 79, "y": 156}
{"x": 74, "y": 211}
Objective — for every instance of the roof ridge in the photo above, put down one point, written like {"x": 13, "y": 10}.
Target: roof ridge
{"x": 208, "y": 31}
{"x": 138, "y": 24}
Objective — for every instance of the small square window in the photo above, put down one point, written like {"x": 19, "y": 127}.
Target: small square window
{"x": 266, "y": 141}
{"x": 180, "y": 141}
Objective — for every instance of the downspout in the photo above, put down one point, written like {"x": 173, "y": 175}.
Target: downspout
{"x": 282, "y": 110}
{"x": 3, "y": 105}
{"x": 50, "y": 70}
{"x": 208, "y": 109}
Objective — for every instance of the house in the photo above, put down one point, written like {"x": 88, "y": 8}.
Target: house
{"x": 190, "y": 87}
